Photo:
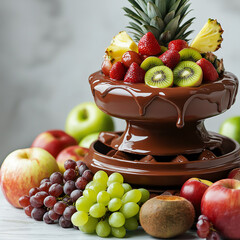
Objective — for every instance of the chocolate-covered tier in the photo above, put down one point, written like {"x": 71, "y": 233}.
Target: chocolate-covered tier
{"x": 164, "y": 121}
{"x": 165, "y": 141}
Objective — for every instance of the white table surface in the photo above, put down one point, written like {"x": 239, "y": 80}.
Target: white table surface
{"x": 15, "y": 225}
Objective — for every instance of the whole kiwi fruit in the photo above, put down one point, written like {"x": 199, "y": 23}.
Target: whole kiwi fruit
{"x": 166, "y": 216}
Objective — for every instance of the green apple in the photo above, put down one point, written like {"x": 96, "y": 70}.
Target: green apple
{"x": 231, "y": 128}
{"x": 85, "y": 119}
{"x": 88, "y": 140}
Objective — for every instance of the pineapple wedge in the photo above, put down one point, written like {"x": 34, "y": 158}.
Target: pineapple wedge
{"x": 209, "y": 39}
{"x": 120, "y": 44}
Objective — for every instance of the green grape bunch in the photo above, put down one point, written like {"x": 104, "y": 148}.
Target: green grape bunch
{"x": 109, "y": 206}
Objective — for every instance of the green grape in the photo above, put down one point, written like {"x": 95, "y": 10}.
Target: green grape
{"x": 90, "y": 195}
{"x": 115, "y": 177}
{"x": 127, "y": 187}
{"x": 79, "y": 218}
{"x": 89, "y": 184}
{"x": 137, "y": 216}
{"x": 129, "y": 209}
{"x": 97, "y": 210}
{"x": 103, "y": 197}
{"x": 90, "y": 225}
{"x": 114, "y": 204}
{"x": 119, "y": 232}
{"x": 115, "y": 190}
{"x": 145, "y": 195}
{"x": 131, "y": 224}
{"x": 98, "y": 187}
{"x": 133, "y": 195}
{"x": 101, "y": 177}
{"x": 83, "y": 204}
{"x": 116, "y": 219}
{"x": 103, "y": 229}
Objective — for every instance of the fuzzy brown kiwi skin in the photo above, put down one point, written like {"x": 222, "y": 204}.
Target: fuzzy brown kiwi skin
{"x": 167, "y": 216}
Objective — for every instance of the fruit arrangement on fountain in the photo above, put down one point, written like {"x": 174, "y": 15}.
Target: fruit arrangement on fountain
{"x": 164, "y": 88}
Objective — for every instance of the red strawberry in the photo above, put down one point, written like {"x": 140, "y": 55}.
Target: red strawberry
{"x": 148, "y": 45}
{"x": 177, "y": 45}
{"x": 170, "y": 58}
{"x": 106, "y": 66}
{"x": 117, "y": 71}
{"x": 135, "y": 74}
{"x": 209, "y": 72}
{"x": 129, "y": 57}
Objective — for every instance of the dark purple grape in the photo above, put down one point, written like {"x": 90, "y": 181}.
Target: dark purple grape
{"x": 65, "y": 223}
{"x": 82, "y": 168}
{"x": 44, "y": 180}
{"x": 59, "y": 207}
{"x": 81, "y": 183}
{"x": 47, "y": 219}
{"x": 76, "y": 194}
{"x": 49, "y": 201}
{"x": 52, "y": 215}
{"x": 68, "y": 212}
{"x": 28, "y": 210}
{"x": 79, "y": 163}
{"x": 213, "y": 236}
{"x": 69, "y": 174}
{"x": 56, "y": 190}
{"x": 37, "y": 200}
{"x": 56, "y": 177}
{"x": 87, "y": 174}
{"x": 70, "y": 164}
{"x": 37, "y": 213}
{"x": 45, "y": 186}
{"x": 68, "y": 187}
{"x": 33, "y": 191}
{"x": 24, "y": 201}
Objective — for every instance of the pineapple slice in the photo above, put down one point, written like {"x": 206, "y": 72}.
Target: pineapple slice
{"x": 209, "y": 39}
{"x": 120, "y": 44}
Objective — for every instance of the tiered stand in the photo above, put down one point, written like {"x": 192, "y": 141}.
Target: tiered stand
{"x": 163, "y": 127}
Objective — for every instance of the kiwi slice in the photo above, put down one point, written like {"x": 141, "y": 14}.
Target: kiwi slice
{"x": 151, "y": 62}
{"x": 189, "y": 54}
{"x": 187, "y": 74}
{"x": 159, "y": 77}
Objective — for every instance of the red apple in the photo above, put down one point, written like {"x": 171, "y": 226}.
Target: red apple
{"x": 24, "y": 169}
{"x": 73, "y": 152}
{"x": 54, "y": 141}
{"x": 221, "y": 204}
{"x": 193, "y": 190}
{"x": 235, "y": 174}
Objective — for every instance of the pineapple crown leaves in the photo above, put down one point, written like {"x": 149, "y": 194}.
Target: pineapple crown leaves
{"x": 164, "y": 18}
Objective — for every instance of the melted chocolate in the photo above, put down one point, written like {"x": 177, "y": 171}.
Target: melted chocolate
{"x": 163, "y": 122}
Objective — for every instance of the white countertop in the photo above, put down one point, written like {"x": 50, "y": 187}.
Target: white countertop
{"x": 15, "y": 225}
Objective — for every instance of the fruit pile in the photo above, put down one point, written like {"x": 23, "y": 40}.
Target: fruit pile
{"x": 158, "y": 66}
{"x": 109, "y": 206}
{"x": 54, "y": 200}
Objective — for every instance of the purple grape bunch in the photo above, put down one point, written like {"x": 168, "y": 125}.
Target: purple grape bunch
{"x": 54, "y": 200}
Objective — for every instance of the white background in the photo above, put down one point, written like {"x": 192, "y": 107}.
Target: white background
{"x": 48, "y": 48}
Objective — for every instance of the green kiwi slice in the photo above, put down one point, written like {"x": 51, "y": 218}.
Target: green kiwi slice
{"x": 151, "y": 62}
{"x": 187, "y": 74}
{"x": 159, "y": 77}
{"x": 189, "y": 54}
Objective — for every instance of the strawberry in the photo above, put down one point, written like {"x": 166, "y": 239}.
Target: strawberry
{"x": 209, "y": 72}
{"x": 106, "y": 66}
{"x": 117, "y": 71}
{"x": 129, "y": 57}
{"x": 170, "y": 58}
{"x": 148, "y": 45}
{"x": 135, "y": 74}
{"x": 177, "y": 45}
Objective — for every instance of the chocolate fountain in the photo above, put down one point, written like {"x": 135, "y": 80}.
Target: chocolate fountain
{"x": 165, "y": 141}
